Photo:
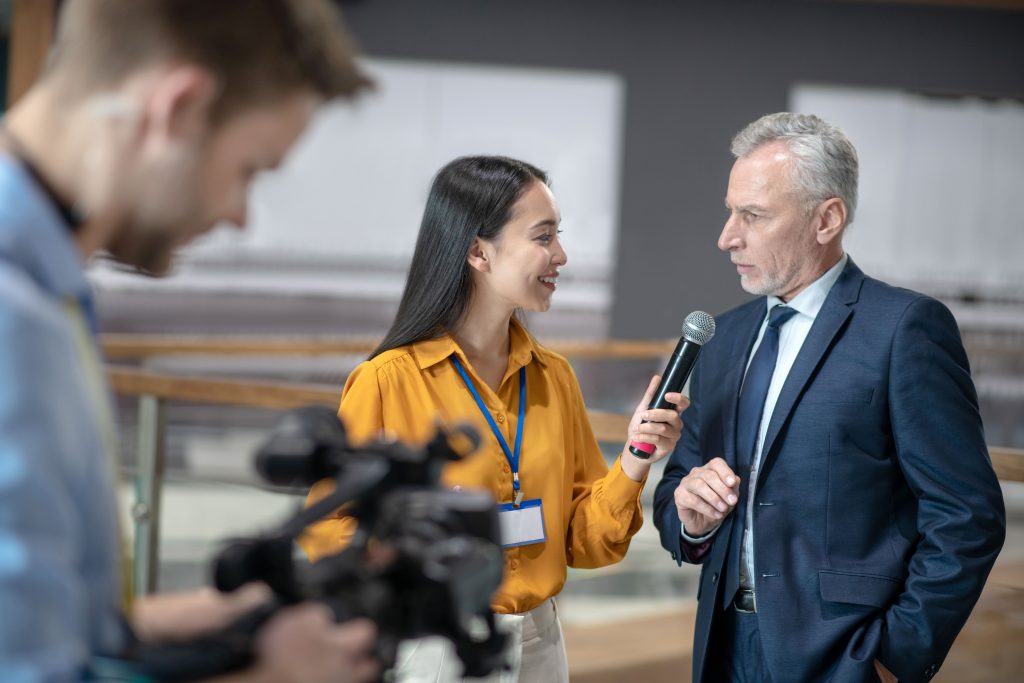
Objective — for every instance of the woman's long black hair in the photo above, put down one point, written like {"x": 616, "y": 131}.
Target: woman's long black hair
{"x": 471, "y": 197}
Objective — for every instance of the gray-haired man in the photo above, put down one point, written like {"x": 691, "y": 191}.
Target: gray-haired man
{"x": 832, "y": 477}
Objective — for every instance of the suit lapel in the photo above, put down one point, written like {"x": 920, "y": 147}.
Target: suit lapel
{"x": 827, "y": 325}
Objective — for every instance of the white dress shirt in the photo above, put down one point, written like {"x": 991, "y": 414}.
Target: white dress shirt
{"x": 791, "y": 338}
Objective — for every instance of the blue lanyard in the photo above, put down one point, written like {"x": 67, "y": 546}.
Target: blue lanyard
{"x": 511, "y": 455}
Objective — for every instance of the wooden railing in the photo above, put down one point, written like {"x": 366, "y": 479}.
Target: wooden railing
{"x": 1008, "y": 463}
{"x": 121, "y": 347}
{"x": 608, "y": 427}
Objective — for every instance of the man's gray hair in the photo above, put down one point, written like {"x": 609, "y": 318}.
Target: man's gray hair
{"x": 825, "y": 159}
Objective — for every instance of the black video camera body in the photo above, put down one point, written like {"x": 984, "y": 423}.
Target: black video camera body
{"x": 423, "y": 561}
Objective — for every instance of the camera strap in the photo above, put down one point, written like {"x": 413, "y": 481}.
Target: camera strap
{"x": 512, "y": 455}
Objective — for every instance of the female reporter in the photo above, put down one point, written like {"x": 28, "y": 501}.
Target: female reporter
{"x": 488, "y": 245}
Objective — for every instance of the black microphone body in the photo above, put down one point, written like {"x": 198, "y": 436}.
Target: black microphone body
{"x": 698, "y": 329}
{"x": 678, "y": 370}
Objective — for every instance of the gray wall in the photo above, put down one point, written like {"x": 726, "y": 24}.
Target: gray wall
{"x": 695, "y": 73}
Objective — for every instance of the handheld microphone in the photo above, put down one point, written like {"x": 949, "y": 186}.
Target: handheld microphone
{"x": 698, "y": 329}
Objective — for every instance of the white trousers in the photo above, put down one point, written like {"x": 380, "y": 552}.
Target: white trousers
{"x": 536, "y": 653}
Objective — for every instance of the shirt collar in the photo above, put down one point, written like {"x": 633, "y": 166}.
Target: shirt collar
{"x": 34, "y": 236}
{"x": 808, "y": 302}
{"x": 522, "y": 349}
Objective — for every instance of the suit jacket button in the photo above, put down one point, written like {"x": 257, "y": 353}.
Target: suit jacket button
{"x": 714, "y": 578}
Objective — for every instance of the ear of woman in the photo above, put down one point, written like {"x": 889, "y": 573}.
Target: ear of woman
{"x": 477, "y": 258}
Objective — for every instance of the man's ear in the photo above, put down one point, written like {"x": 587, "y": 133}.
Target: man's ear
{"x": 478, "y": 257}
{"x": 180, "y": 103}
{"x": 831, "y": 220}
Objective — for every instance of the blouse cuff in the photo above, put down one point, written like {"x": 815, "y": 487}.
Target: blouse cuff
{"x": 621, "y": 491}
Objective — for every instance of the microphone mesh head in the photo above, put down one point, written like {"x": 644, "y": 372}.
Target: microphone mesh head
{"x": 699, "y": 328}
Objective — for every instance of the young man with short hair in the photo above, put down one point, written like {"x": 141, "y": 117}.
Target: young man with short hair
{"x": 145, "y": 130}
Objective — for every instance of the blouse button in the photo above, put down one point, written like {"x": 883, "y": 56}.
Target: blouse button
{"x": 501, "y": 418}
{"x": 506, "y": 467}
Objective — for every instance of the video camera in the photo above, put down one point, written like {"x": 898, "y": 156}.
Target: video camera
{"x": 423, "y": 560}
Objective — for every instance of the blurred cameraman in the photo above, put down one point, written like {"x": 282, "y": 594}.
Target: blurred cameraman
{"x": 146, "y": 129}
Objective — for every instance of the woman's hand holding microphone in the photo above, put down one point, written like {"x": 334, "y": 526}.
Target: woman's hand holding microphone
{"x": 659, "y": 427}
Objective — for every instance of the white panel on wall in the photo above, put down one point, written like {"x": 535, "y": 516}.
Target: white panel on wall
{"x": 354, "y": 188}
{"x": 939, "y": 185}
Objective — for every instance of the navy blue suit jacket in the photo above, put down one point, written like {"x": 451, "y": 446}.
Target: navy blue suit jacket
{"x": 877, "y": 514}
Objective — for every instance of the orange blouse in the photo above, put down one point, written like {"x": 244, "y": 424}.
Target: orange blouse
{"x": 590, "y": 513}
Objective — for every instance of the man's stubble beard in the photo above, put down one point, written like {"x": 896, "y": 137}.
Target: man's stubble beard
{"x": 169, "y": 210}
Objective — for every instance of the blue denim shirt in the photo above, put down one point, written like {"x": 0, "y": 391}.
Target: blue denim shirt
{"x": 59, "y": 549}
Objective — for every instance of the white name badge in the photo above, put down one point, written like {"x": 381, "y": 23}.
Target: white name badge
{"x": 523, "y": 525}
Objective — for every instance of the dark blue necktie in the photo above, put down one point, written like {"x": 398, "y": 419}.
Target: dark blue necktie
{"x": 748, "y": 423}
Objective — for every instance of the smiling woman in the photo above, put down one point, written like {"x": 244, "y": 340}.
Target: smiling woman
{"x": 488, "y": 246}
